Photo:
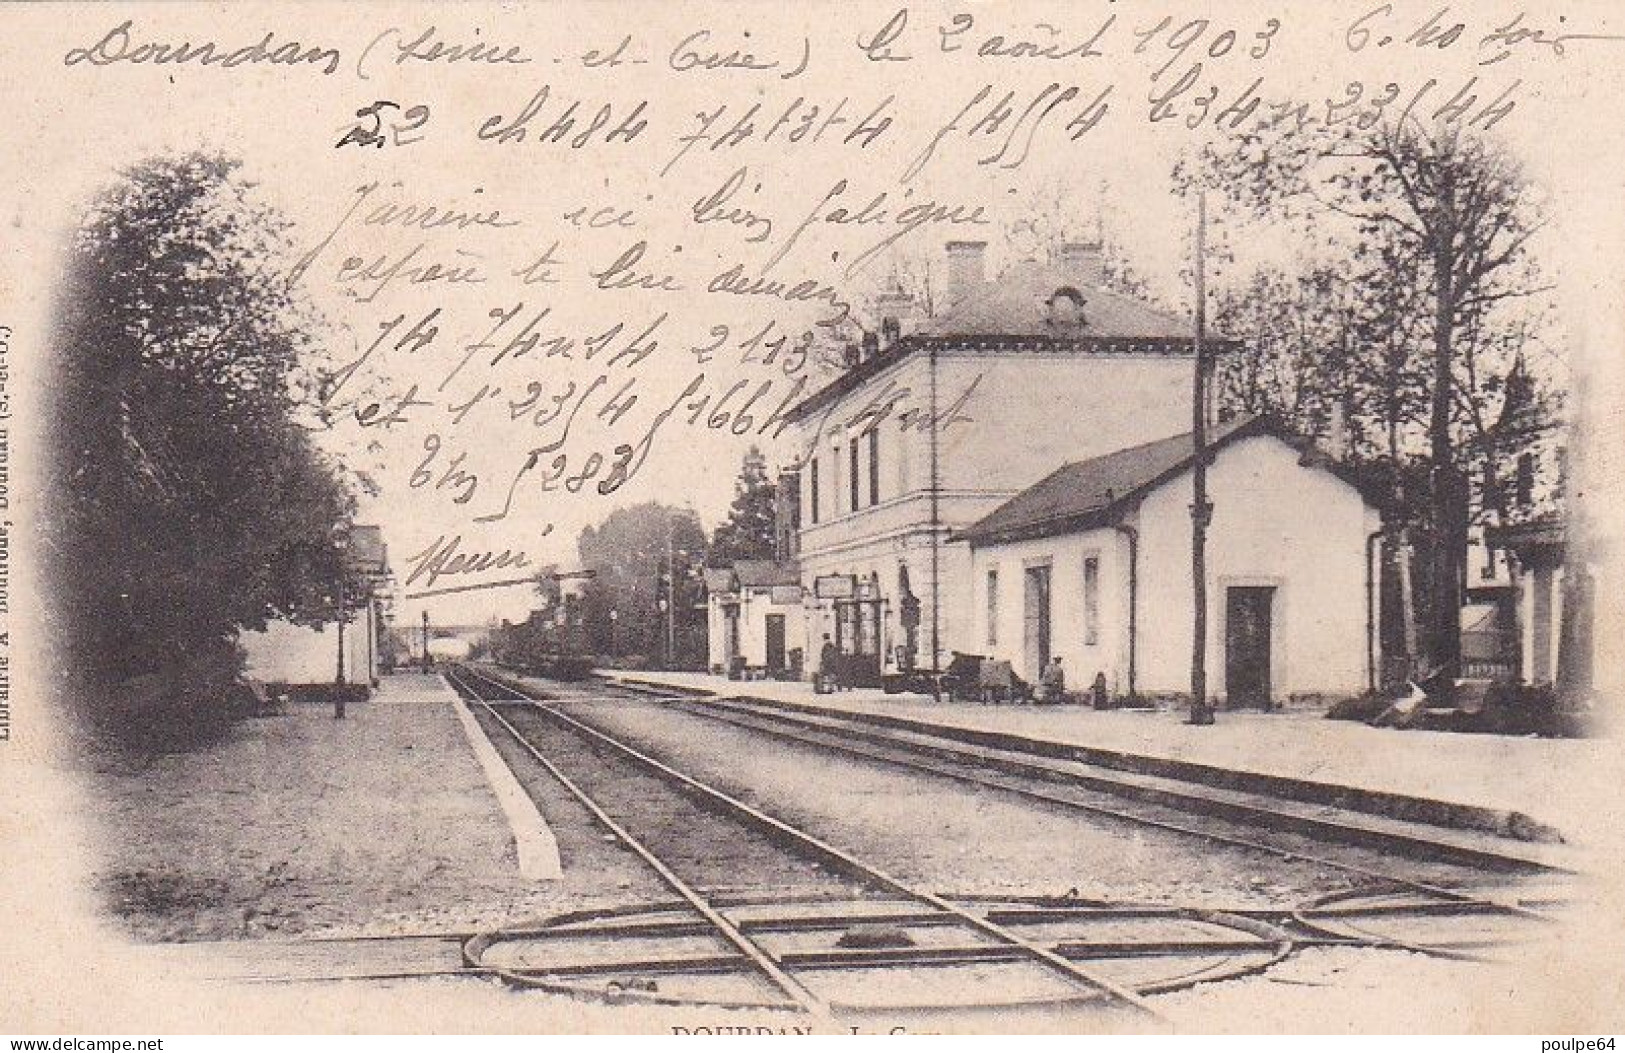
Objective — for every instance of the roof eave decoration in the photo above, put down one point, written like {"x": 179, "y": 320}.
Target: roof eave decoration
{"x": 1038, "y": 344}
{"x": 1093, "y": 519}
{"x": 980, "y": 535}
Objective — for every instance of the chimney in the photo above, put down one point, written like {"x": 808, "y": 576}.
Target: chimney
{"x": 787, "y": 516}
{"x": 868, "y": 348}
{"x": 1084, "y": 263}
{"x": 896, "y": 310}
{"x": 967, "y": 267}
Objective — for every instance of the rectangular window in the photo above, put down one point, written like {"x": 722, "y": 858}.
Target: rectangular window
{"x": 904, "y": 451}
{"x": 852, "y": 475}
{"x": 835, "y": 478}
{"x": 812, "y": 489}
{"x": 992, "y": 608}
{"x": 874, "y": 465}
{"x": 1091, "y": 600}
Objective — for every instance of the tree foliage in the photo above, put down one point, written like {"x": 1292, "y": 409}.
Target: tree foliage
{"x": 1320, "y": 350}
{"x": 1433, "y": 294}
{"x": 631, "y": 552}
{"x": 188, "y": 501}
{"x": 748, "y": 532}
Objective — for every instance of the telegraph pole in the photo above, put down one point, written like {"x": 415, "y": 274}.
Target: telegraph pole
{"x": 671, "y": 599}
{"x": 341, "y": 541}
{"x": 338, "y": 677}
{"x": 936, "y": 552}
{"x": 338, "y": 680}
{"x": 1201, "y": 508}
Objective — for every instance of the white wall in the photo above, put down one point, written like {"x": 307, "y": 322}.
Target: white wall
{"x": 293, "y": 654}
{"x": 754, "y": 607}
{"x": 716, "y": 633}
{"x": 1028, "y": 414}
{"x": 1533, "y": 580}
{"x": 1068, "y": 637}
{"x": 1035, "y": 412}
{"x": 1275, "y": 522}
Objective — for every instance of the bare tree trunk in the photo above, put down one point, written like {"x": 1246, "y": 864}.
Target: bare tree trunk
{"x": 1399, "y": 541}
{"x": 1407, "y": 600}
{"x": 1449, "y": 531}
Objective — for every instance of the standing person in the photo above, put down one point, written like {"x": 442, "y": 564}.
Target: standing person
{"x": 1052, "y": 683}
{"x": 826, "y": 667}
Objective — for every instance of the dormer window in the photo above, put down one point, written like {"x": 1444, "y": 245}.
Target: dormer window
{"x": 1065, "y": 308}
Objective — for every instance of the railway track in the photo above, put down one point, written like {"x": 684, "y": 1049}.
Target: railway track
{"x": 871, "y": 930}
{"x": 880, "y": 922}
{"x": 1091, "y": 790}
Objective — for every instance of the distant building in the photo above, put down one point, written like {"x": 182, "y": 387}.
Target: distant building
{"x": 1554, "y": 561}
{"x": 296, "y": 654}
{"x": 1520, "y": 478}
{"x": 939, "y": 421}
{"x": 1093, "y": 564}
{"x": 755, "y": 621}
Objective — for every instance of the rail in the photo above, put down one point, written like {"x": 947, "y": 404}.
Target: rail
{"x": 766, "y": 963}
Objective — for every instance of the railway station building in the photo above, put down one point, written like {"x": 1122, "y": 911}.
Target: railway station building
{"x": 755, "y": 620}
{"x": 939, "y": 421}
{"x": 1093, "y": 565}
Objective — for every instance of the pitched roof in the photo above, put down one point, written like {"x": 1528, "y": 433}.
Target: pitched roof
{"x": 761, "y": 573}
{"x": 1016, "y": 304}
{"x": 1014, "y": 310}
{"x": 1087, "y": 494}
{"x": 1547, "y": 530}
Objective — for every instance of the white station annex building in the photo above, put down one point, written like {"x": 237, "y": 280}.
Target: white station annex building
{"x": 1046, "y": 512}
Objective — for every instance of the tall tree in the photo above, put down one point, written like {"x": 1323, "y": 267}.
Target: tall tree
{"x": 631, "y": 552}
{"x": 1435, "y": 220}
{"x": 188, "y": 502}
{"x": 747, "y": 533}
{"x": 1319, "y": 350}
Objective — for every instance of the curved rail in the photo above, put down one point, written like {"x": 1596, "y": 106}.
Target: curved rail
{"x": 789, "y": 985}
{"x": 1070, "y": 972}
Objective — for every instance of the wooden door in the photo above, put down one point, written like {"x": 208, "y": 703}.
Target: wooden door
{"x": 1036, "y": 616}
{"x": 730, "y": 635}
{"x": 775, "y": 642}
{"x": 1248, "y": 611}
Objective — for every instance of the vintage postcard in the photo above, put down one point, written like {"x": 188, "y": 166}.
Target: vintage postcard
{"x": 829, "y": 518}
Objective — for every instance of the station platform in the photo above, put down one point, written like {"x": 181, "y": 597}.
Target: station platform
{"x": 1526, "y": 788}
{"x": 297, "y": 823}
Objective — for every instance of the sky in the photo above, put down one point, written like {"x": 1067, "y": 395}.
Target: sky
{"x": 594, "y": 205}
